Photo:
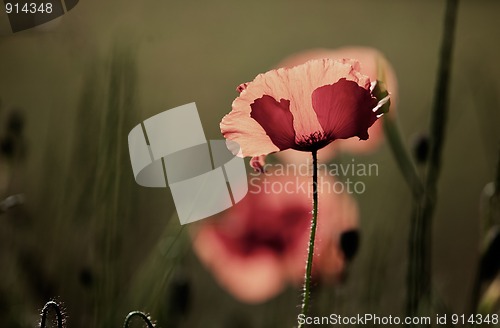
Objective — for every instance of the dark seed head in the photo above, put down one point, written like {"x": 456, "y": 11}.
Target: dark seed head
{"x": 421, "y": 149}
{"x": 86, "y": 277}
{"x": 490, "y": 261}
{"x": 7, "y": 146}
{"x": 15, "y": 122}
{"x": 349, "y": 243}
{"x": 180, "y": 294}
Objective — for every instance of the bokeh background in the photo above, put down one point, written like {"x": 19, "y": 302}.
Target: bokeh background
{"x": 88, "y": 236}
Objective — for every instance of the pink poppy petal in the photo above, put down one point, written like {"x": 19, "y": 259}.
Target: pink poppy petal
{"x": 276, "y": 119}
{"x": 344, "y": 109}
{"x": 253, "y": 280}
{"x": 239, "y": 127}
{"x": 370, "y": 60}
{"x": 304, "y": 79}
{"x": 250, "y": 279}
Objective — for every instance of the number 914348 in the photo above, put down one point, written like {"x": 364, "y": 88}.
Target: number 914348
{"x": 475, "y": 319}
{"x": 28, "y": 8}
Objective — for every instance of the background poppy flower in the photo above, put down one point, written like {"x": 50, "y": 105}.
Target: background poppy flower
{"x": 258, "y": 246}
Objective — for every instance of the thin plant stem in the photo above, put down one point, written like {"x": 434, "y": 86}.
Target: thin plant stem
{"x": 45, "y": 310}
{"x": 402, "y": 157}
{"x": 139, "y": 314}
{"x": 312, "y": 237}
{"x": 441, "y": 94}
{"x": 497, "y": 179}
{"x": 420, "y": 241}
{"x": 476, "y": 291}
{"x": 393, "y": 135}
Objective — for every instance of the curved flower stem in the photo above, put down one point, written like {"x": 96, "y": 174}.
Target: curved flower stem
{"x": 45, "y": 310}
{"x": 312, "y": 237}
{"x": 440, "y": 104}
{"x": 395, "y": 140}
{"x": 419, "y": 271}
{"x": 402, "y": 157}
{"x": 139, "y": 314}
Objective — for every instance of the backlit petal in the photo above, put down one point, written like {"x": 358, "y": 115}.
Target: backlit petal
{"x": 276, "y": 119}
{"x": 344, "y": 109}
{"x": 239, "y": 127}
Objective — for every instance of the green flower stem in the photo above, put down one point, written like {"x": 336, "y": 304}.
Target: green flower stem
{"x": 312, "y": 237}
{"x": 440, "y": 105}
{"x": 419, "y": 271}
{"x": 393, "y": 135}
{"x": 497, "y": 180}
{"x": 139, "y": 314}
{"x": 402, "y": 157}
{"x": 57, "y": 310}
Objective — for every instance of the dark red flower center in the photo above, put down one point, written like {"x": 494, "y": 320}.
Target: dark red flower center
{"x": 267, "y": 229}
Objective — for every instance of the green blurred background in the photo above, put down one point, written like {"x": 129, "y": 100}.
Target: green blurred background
{"x": 91, "y": 238}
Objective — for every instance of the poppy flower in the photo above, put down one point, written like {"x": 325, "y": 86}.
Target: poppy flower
{"x": 257, "y": 247}
{"x": 304, "y": 108}
{"x": 370, "y": 62}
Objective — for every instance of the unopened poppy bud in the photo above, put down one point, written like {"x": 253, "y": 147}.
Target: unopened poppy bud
{"x": 86, "y": 277}
{"x": 380, "y": 92}
{"x": 490, "y": 260}
{"x": 349, "y": 243}
{"x": 15, "y": 122}
{"x": 241, "y": 87}
{"x": 7, "y": 146}
{"x": 180, "y": 294}
{"x": 421, "y": 148}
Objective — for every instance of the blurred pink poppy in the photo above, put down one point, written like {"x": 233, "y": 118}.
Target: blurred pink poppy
{"x": 258, "y": 246}
{"x": 304, "y": 108}
{"x": 370, "y": 60}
